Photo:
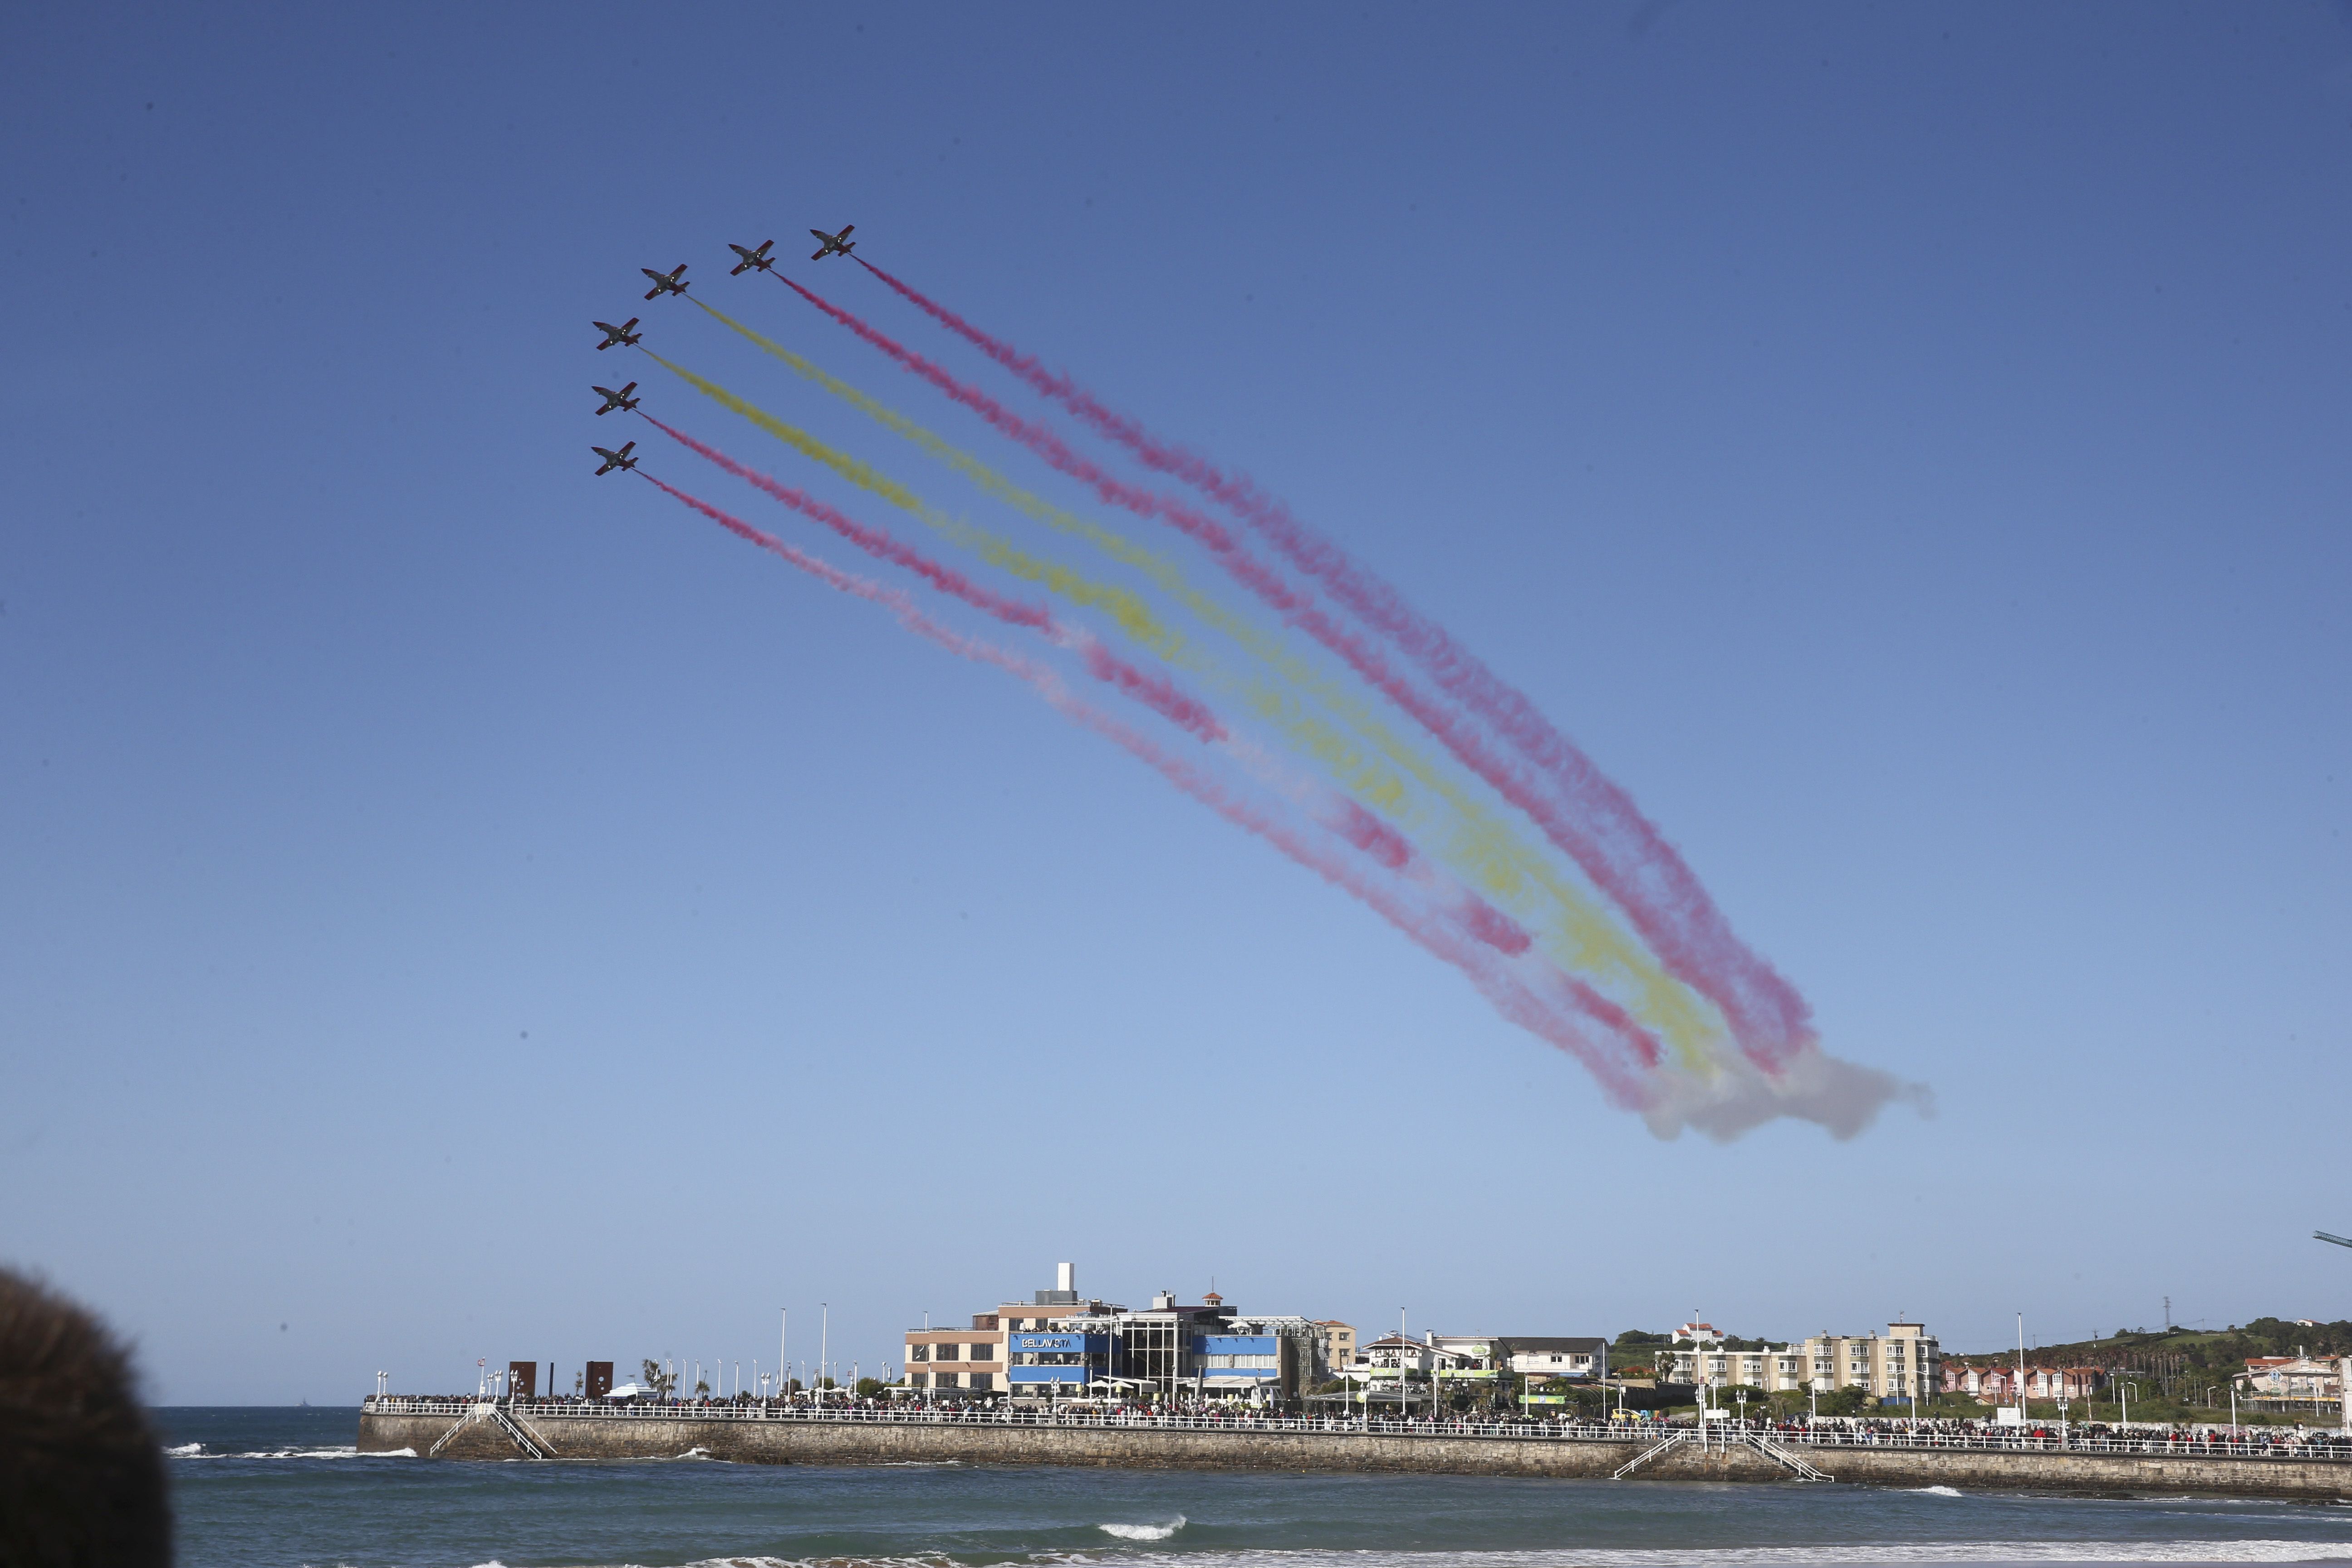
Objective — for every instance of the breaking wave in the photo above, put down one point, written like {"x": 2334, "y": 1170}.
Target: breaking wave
{"x": 196, "y": 1451}
{"x": 1144, "y": 1532}
{"x": 1893, "y": 1552}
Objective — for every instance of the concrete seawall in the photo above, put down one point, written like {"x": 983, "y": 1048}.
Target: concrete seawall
{"x": 858, "y": 1443}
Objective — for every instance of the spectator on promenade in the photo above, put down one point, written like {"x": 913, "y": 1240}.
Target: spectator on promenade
{"x": 81, "y": 1476}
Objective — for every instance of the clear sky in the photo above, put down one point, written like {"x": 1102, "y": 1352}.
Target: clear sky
{"x": 451, "y": 906}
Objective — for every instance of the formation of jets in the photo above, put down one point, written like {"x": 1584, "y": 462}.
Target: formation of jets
{"x": 755, "y": 259}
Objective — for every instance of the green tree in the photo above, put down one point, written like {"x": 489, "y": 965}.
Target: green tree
{"x": 1844, "y": 1401}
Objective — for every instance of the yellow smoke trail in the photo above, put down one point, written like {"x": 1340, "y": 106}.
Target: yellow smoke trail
{"x": 1133, "y": 615}
{"x": 1578, "y": 932}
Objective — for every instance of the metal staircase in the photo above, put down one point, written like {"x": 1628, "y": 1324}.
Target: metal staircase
{"x": 1646, "y": 1455}
{"x": 1784, "y": 1458}
{"x": 522, "y": 1438}
{"x": 489, "y": 1410}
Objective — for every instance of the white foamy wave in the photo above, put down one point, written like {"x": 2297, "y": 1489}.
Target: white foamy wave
{"x": 196, "y": 1451}
{"x": 1935, "y": 1491}
{"x": 1144, "y": 1532}
{"x": 1919, "y": 1552}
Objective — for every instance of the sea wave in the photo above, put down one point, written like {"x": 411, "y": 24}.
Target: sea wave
{"x": 1885, "y": 1551}
{"x": 1144, "y": 1532}
{"x": 196, "y": 1451}
{"x": 1891, "y": 1552}
{"x": 1935, "y": 1491}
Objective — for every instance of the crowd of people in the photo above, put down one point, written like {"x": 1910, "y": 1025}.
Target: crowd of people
{"x": 1825, "y": 1431}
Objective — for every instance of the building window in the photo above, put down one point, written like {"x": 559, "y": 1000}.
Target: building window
{"x": 919, "y": 1353}
{"x": 981, "y": 1380}
{"x": 916, "y": 1380}
{"x": 947, "y": 1352}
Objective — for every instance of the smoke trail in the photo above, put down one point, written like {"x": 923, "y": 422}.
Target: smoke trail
{"x": 1373, "y": 837}
{"x": 1512, "y": 998}
{"x": 1160, "y": 694}
{"x": 1134, "y": 616}
{"x": 872, "y": 540}
{"x": 1618, "y": 846}
{"x": 1496, "y": 929}
{"x": 1587, "y": 938}
{"x": 1461, "y": 738}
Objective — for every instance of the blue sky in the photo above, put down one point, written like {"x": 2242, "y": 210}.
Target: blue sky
{"x": 451, "y": 906}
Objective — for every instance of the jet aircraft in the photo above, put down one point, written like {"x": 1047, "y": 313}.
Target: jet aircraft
{"x": 755, "y": 259}
{"x": 620, "y": 400}
{"x": 620, "y": 459}
{"x": 621, "y": 334}
{"x": 665, "y": 282}
{"x": 834, "y": 244}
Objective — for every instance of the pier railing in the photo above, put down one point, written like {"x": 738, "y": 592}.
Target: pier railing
{"x": 2244, "y": 1444}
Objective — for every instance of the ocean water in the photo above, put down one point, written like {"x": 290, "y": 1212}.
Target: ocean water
{"x": 285, "y": 1489}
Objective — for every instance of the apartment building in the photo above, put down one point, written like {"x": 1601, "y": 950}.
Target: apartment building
{"x": 1898, "y": 1365}
{"x": 957, "y": 1361}
{"x": 1338, "y": 1342}
{"x": 1773, "y": 1369}
{"x": 1893, "y": 1365}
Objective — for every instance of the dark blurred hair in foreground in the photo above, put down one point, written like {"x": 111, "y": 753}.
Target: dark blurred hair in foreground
{"x": 81, "y": 1479}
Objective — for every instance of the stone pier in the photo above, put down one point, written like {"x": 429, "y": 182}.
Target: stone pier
{"x": 483, "y": 1436}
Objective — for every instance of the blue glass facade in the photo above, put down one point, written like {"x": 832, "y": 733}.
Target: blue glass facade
{"x": 1041, "y": 1359}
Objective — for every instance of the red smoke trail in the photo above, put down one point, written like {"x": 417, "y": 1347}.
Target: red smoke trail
{"x": 1039, "y": 439}
{"x": 1618, "y": 1021}
{"x": 874, "y": 541}
{"x": 1370, "y": 835}
{"x": 1154, "y": 692}
{"x": 1496, "y": 929}
{"x": 1510, "y": 996}
{"x": 1618, "y": 847}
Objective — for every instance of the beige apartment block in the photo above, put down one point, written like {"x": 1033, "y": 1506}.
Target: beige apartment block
{"x": 1890, "y": 1367}
{"x": 1897, "y": 1364}
{"x": 1338, "y": 1342}
{"x": 1771, "y": 1370}
{"x": 964, "y": 1360}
